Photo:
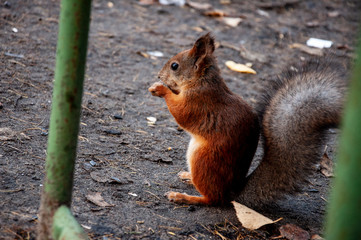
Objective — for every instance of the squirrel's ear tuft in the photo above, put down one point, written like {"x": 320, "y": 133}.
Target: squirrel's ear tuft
{"x": 203, "y": 46}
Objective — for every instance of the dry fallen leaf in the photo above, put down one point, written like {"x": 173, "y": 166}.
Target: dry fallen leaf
{"x": 147, "y": 2}
{"x": 237, "y": 67}
{"x": 333, "y": 14}
{"x": 233, "y": 22}
{"x": 312, "y": 24}
{"x": 98, "y": 200}
{"x": 199, "y": 6}
{"x": 7, "y": 134}
{"x": 151, "y": 120}
{"x": 326, "y": 165}
{"x": 197, "y": 29}
{"x": 155, "y": 53}
{"x": 225, "y": 2}
{"x": 214, "y": 13}
{"x": 249, "y": 218}
{"x": 294, "y": 232}
{"x": 99, "y": 176}
{"x": 308, "y": 50}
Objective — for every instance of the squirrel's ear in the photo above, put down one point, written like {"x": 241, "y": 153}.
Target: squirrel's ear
{"x": 202, "y": 47}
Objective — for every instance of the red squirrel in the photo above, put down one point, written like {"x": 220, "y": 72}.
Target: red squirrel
{"x": 225, "y": 130}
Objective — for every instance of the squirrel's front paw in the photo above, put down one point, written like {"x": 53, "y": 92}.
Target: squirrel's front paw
{"x": 158, "y": 89}
{"x": 175, "y": 197}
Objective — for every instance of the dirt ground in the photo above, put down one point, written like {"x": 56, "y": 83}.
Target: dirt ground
{"x": 120, "y": 155}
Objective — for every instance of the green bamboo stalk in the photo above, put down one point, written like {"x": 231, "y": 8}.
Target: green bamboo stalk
{"x": 344, "y": 215}
{"x": 65, "y": 114}
{"x": 66, "y": 227}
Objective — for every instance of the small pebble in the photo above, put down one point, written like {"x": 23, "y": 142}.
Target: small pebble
{"x": 44, "y": 133}
{"x": 93, "y": 163}
{"x": 118, "y": 116}
{"x": 87, "y": 166}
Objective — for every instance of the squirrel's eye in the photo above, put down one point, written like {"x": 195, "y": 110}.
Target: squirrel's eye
{"x": 174, "y": 66}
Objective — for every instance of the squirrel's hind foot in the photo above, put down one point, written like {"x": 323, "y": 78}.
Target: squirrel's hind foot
{"x": 177, "y": 197}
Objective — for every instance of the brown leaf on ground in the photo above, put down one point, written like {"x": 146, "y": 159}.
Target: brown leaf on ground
{"x": 215, "y": 13}
{"x": 326, "y": 166}
{"x": 293, "y": 232}
{"x": 7, "y": 134}
{"x": 199, "y": 6}
{"x": 98, "y": 200}
{"x": 249, "y": 218}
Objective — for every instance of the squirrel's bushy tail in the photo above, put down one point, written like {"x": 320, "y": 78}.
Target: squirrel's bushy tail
{"x": 298, "y": 109}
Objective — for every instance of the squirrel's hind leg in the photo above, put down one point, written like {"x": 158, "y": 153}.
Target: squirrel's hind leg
{"x": 187, "y": 199}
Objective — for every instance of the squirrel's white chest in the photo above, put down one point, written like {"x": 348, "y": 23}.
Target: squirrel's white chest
{"x": 194, "y": 144}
